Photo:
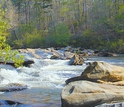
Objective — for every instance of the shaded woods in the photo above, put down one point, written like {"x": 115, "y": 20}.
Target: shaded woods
{"x": 94, "y": 24}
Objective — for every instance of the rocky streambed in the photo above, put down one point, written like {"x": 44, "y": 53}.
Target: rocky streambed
{"x": 83, "y": 78}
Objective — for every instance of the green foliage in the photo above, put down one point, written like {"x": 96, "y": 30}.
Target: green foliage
{"x": 89, "y": 24}
{"x": 19, "y": 60}
{"x": 112, "y": 46}
{"x": 24, "y": 28}
{"x": 6, "y": 54}
{"x": 60, "y": 36}
{"x": 16, "y": 39}
{"x": 17, "y": 43}
{"x": 76, "y": 41}
{"x": 119, "y": 20}
{"x": 27, "y": 37}
{"x": 33, "y": 39}
{"x": 87, "y": 40}
{"x": 64, "y": 10}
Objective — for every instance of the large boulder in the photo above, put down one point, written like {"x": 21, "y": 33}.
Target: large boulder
{"x": 77, "y": 60}
{"x": 90, "y": 94}
{"x": 102, "y": 72}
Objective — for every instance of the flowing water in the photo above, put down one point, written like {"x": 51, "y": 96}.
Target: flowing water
{"x": 45, "y": 79}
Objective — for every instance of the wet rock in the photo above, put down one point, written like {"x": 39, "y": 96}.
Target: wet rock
{"x": 77, "y": 60}
{"x": 32, "y": 51}
{"x": 57, "y": 55}
{"x": 68, "y": 55}
{"x": 106, "y": 54}
{"x": 23, "y": 50}
{"x": 90, "y": 94}
{"x": 60, "y": 54}
{"x": 85, "y": 53}
{"x": 68, "y": 48}
{"x": 26, "y": 63}
{"x": 8, "y": 102}
{"x": 13, "y": 87}
{"x": 76, "y": 50}
{"x": 102, "y": 72}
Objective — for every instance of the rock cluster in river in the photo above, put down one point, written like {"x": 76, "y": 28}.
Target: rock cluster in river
{"x": 78, "y": 92}
{"x": 63, "y": 53}
{"x": 76, "y": 56}
{"x": 99, "y": 83}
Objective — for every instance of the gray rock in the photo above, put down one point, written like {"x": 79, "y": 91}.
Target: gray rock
{"x": 76, "y": 60}
{"x": 90, "y": 94}
{"x": 68, "y": 55}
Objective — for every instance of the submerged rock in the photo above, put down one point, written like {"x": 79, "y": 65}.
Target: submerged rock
{"x": 8, "y": 102}
{"x": 90, "y": 94}
{"x": 13, "y": 87}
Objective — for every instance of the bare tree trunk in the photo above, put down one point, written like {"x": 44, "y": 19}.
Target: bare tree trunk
{"x": 29, "y": 12}
{"x": 14, "y": 33}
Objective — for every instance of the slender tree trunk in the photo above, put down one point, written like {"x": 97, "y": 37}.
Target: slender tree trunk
{"x": 14, "y": 33}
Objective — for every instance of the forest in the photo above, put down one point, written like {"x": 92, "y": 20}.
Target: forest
{"x": 91, "y": 24}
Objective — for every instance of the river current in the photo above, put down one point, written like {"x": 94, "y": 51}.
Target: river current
{"x": 45, "y": 79}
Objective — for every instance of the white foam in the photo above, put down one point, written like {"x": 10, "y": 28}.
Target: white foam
{"x": 1, "y": 92}
{"x": 43, "y": 73}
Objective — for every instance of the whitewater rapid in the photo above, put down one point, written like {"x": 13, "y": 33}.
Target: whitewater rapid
{"x": 43, "y": 73}
{"x": 47, "y": 72}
